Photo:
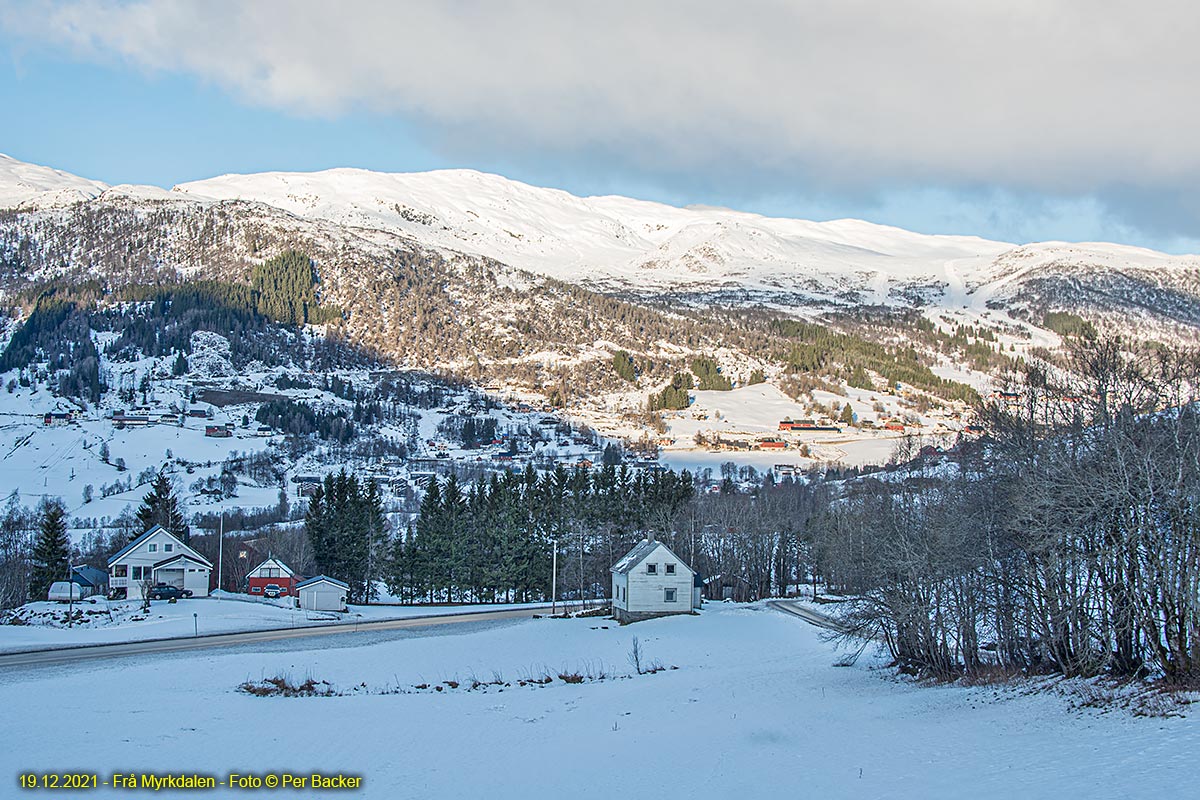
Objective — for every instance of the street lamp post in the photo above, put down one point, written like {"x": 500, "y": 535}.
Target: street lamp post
{"x": 220, "y": 553}
{"x": 554, "y": 581}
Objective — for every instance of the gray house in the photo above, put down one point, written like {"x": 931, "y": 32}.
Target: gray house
{"x": 651, "y": 581}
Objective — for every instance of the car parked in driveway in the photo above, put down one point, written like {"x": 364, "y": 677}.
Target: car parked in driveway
{"x": 272, "y": 590}
{"x": 165, "y": 591}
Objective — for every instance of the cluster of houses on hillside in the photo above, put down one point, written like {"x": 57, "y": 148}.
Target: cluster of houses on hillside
{"x": 143, "y": 417}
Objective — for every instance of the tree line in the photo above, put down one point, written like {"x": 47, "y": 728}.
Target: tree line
{"x": 492, "y": 541}
{"x": 1068, "y": 541}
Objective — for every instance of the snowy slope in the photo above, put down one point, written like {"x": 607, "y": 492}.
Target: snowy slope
{"x": 22, "y": 183}
{"x": 606, "y": 240}
{"x": 619, "y": 243}
{"x": 695, "y": 254}
{"x": 756, "y": 708}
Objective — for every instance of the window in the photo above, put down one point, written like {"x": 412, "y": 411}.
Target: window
{"x": 167, "y": 547}
{"x": 652, "y": 569}
{"x": 141, "y": 573}
{"x": 669, "y": 595}
{"x": 120, "y": 571}
{"x": 153, "y": 548}
{"x": 670, "y": 569}
{"x": 256, "y": 589}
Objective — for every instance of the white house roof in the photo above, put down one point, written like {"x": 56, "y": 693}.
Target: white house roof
{"x": 271, "y": 562}
{"x": 195, "y": 559}
{"x": 183, "y": 548}
{"x": 640, "y": 552}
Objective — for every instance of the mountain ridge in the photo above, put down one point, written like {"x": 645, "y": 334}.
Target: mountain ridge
{"x": 691, "y": 256}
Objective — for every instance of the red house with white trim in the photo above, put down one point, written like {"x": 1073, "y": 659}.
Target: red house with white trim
{"x": 271, "y": 571}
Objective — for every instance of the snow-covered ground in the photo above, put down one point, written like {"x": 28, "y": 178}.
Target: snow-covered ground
{"x": 755, "y": 708}
{"x": 105, "y": 622}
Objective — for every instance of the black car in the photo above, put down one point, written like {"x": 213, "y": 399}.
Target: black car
{"x": 272, "y": 590}
{"x": 165, "y": 591}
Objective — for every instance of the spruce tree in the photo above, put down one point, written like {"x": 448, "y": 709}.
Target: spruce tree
{"x": 347, "y": 531}
{"x": 847, "y": 414}
{"x": 51, "y": 551}
{"x": 161, "y": 507}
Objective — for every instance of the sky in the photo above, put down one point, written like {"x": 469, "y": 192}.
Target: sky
{"x": 1022, "y": 121}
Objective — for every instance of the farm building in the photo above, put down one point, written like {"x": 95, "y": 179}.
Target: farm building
{"x": 271, "y": 571}
{"x": 306, "y": 485}
{"x": 651, "y": 581}
{"x": 322, "y": 593}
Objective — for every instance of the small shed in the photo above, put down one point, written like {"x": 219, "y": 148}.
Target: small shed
{"x": 322, "y": 593}
{"x": 651, "y": 581}
{"x": 271, "y": 571}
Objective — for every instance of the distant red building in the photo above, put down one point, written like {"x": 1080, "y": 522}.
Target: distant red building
{"x": 271, "y": 571}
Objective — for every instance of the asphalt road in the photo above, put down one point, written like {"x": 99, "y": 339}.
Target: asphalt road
{"x": 66, "y": 655}
{"x": 808, "y": 615}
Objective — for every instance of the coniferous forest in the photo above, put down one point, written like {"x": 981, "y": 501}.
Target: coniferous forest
{"x": 491, "y": 541}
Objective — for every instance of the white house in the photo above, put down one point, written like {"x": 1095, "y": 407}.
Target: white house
{"x": 158, "y": 557}
{"x": 322, "y": 593}
{"x": 651, "y": 581}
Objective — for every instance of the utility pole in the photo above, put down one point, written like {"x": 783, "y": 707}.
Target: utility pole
{"x": 554, "y": 581}
{"x": 220, "y": 553}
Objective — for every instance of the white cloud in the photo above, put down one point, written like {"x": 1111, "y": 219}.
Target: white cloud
{"x": 1064, "y": 97}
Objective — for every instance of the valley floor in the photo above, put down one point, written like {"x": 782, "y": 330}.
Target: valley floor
{"x": 756, "y": 709}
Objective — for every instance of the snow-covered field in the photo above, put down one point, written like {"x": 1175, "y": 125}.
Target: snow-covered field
{"x": 750, "y": 413}
{"x": 105, "y": 622}
{"x": 756, "y": 708}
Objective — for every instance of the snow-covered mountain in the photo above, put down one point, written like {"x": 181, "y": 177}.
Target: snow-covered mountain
{"x": 612, "y": 242}
{"x": 617, "y": 243}
{"x": 693, "y": 255}
{"x": 24, "y": 183}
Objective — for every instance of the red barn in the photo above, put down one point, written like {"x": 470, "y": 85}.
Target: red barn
{"x": 271, "y": 571}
